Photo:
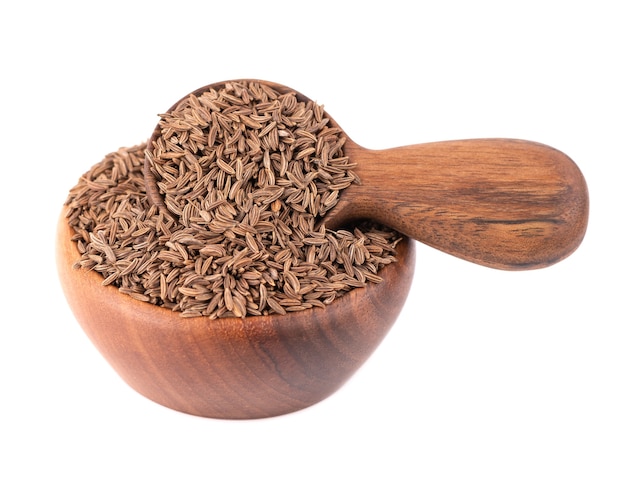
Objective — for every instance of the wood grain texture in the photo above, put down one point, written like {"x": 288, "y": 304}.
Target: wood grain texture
{"x": 234, "y": 368}
{"x": 502, "y": 203}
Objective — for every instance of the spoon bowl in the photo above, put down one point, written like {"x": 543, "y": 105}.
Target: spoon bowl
{"x": 234, "y": 368}
{"x": 502, "y": 203}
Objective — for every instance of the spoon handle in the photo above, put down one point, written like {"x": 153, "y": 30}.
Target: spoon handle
{"x": 507, "y": 204}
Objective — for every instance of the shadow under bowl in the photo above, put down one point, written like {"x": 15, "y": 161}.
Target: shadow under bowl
{"x": 234, "y": 368}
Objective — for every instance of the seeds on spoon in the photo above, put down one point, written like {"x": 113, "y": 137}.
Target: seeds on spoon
{"x": 249, "y": 145}
{"x": 245, "y": 172}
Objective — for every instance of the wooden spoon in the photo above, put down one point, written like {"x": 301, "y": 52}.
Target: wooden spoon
{"x": 502, "y": 203}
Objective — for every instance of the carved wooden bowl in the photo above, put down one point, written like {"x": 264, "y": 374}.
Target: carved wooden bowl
{"x": 246, "y": 368}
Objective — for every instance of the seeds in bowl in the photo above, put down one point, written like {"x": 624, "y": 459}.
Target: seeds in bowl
{"x": 245, "y": 173}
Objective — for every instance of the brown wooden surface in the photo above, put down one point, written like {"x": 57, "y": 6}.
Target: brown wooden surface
{"x": 502, "y": 203}
{"x": 233, "y": 368}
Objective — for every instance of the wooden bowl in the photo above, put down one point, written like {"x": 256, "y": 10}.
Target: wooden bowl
{"x": 246, "y": 368}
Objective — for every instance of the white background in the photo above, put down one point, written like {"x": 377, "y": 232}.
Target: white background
{"x": 486, "y": 374}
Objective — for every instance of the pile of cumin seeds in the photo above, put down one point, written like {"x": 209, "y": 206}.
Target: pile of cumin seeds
{"x": 218, "y": 254}
{"x": 246, "y": 149}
